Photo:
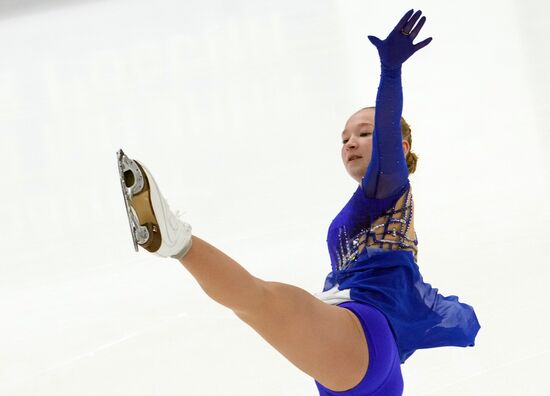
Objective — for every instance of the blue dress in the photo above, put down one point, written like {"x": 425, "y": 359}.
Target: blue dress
{"x": 373, "y": 246}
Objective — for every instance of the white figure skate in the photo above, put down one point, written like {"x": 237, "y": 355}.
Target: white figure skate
{"x": 153, "y": 225}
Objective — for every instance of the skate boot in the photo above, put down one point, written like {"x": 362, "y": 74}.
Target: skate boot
{"x": 153, "y": 225}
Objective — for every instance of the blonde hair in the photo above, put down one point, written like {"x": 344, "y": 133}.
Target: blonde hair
{"x": 411, "y": 158}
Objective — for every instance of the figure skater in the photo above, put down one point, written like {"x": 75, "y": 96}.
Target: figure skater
{"x": 375, "y": 309}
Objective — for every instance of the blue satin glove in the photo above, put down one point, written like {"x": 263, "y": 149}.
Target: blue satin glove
{"x": 398, "y": 46}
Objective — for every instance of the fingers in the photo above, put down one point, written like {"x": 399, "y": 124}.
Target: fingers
{"x": 403, "y": 20}
{"x": 375, "y": 40}
{"x": 416, "y": 30}
{"x": 408, "y": 27}
{"x": 422, "y": 44}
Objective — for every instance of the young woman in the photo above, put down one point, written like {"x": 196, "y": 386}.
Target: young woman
{"x": 375, "y": 310}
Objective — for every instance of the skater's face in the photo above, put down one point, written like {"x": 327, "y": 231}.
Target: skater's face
{"x": 357, "y": 142}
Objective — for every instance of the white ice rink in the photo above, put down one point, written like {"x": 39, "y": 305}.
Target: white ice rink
{"x": 237, "y": 108}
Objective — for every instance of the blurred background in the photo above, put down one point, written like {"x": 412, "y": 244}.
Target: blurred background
{"x": 237, "y": 109}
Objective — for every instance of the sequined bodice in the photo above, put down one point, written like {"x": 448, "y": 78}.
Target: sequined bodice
{"x": 394, "y": 230}
{"x": 351, "y": 232}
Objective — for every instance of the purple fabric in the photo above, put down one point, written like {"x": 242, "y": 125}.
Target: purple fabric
{"x": 383, "y": 376}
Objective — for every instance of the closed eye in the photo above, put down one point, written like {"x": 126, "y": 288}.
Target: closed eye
{"x": 363, "y": 134}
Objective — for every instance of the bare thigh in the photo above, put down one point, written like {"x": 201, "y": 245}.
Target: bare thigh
{"x": 326, "y": 342}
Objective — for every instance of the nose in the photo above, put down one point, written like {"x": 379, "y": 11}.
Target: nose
{"x": 350, "y": 144}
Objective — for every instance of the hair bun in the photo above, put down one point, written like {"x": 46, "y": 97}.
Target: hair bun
{"x": 412, "y": 159}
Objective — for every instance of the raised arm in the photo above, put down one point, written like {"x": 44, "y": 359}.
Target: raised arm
{"x": 387, "y": 173}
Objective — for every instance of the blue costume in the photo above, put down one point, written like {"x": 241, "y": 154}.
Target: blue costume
{"x": 372, "y": 243}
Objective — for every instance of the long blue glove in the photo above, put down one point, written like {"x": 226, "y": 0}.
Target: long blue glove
{"x": 387, "y": 174}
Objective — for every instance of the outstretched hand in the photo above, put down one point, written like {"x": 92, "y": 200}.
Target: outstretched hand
{"x": 398, "y": 46}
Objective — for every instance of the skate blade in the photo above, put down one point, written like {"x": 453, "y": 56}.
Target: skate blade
{"x": 132, "y": 183}
{"x": 139, "y": 205}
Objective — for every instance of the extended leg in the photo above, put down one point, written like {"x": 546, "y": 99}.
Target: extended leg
{"x": 222, "y": 278}
{"x": 327, "y": 342}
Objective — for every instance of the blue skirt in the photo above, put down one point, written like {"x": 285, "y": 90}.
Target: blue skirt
{"x": 418, "y": 315}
